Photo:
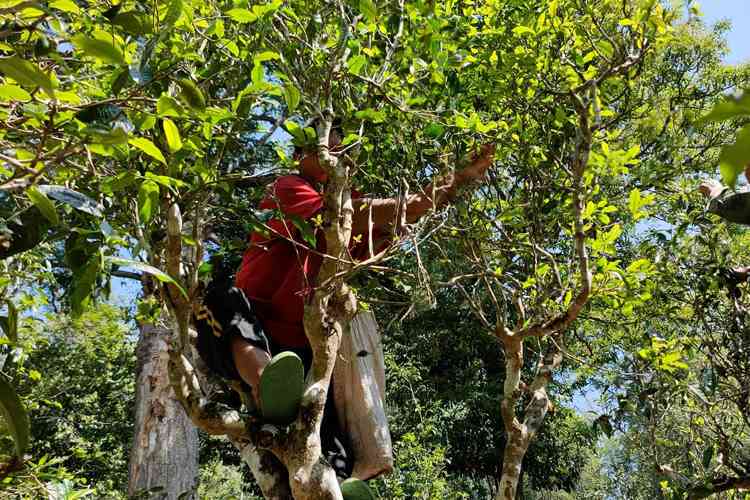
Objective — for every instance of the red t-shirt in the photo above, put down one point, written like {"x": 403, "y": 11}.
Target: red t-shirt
{"x": 278, "y": 275}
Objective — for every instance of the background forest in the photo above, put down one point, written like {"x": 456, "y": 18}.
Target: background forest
{"x": 569, "y": 329}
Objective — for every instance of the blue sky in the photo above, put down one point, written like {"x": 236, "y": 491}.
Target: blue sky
{"x": 738, "y": 12}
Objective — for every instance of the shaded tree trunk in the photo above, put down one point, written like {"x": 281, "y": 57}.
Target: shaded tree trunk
{"x": 165, "y": 446}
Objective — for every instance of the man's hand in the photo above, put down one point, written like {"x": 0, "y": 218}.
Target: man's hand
{"x": 711, "y": 188}
{"x": 480, "y": 162}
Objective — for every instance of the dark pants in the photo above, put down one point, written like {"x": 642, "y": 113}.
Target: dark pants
{"x": 225, "y": 313}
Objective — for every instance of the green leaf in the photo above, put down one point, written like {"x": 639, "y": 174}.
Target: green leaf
{"x": 434, "y": 130}
{"x": 672, "y": 361}
{"x": 729, "y": 108}
{"x": 636, "y": 202}
{"x": 192, "y": 95}
{"x": 106, "y": 51}
{"x": 268, "y": 8}
{"x": 310, "y": 135}
{"x": 266, "y": 56}
{"x": 115, "y": 136}
{"x": 356, "y": 64}
{"x": 26, "y": 74}
{"x": 218, "y": 115}
{"x": 174, "y": 13}
{"x": 10, "y": 92}
{"x": 44, "y": 204}
{"x": 65, "y": 6}
{"x": 350, "y": 138}
{"x": 73, "y": 198}
{"x": 16, "y": 418}
{"x": 135, "y": 23}
{"x": 145, "y": 122}
{"x": 291, "y": 97}
{"x": 233, "y": 49}
{"x": 173, "y": 135}
{"x": 370, "y": 114}
{"x": 153, "y": 271}
{"x": 735, "y": 157}
{"x": 119, "y": 182}
{"x": 216, "y": 28}
{"x": 148, "y": 147}
{"x": 242, "y": 16}
{"x": 205, "y": 269}
{"x": 165, "y": 180}
{"x": 369, "y": 10}
{"x": 523, "y": 30}
{"x": 306, "y": 230}
{"x": 168, "y": 106}
{"x": 10, "y": 323}
{"x": 257, "y": 74}
{"x": 298, "y": 135}
{"x": 708, "y": 454}
{"x": 84, "y": 281}
{"x": 552, "y": 8}
{"x": 148, "y": 200}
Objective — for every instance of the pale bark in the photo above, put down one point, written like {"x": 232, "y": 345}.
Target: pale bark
{"x": 515, "y": 450}
{"x": 268, "y": 472}
{"x": 165, "y": 446}
{"x": 520, "y": 435}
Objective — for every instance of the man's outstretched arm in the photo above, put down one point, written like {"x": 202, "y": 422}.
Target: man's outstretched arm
{"x": 435, "y": 194}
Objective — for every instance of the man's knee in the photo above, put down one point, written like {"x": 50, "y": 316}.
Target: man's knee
{"x": 249, "y": 360}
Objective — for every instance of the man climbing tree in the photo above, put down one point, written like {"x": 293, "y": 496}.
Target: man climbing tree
{"x": 238, "y": 337}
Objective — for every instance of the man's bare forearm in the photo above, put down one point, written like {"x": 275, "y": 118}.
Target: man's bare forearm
{"x": 384, "y": 210}
{"x": 440, "y": 191}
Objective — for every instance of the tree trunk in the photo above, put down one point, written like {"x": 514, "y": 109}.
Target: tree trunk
{"x": 513, "y": 454}
{"x": 520, "y": 434}
{"x": 165, "y": 447}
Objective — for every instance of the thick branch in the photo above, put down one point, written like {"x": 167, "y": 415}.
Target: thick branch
{"x": 179, "y": 302}
{"x": 204, "y": 414}
{"x": 580, "y": 161}
{"x": 539, "y": 404}
{"x": 513, "y": 346}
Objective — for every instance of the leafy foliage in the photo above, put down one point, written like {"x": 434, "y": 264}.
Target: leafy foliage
{"x": 115, "y": 115}
{"x": 78, "y": 390}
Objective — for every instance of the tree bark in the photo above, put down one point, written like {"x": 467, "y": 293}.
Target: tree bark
{"x": 165, "y": 446}
{"x": 513, "y": 455}
{"x": 269, "y": 473}
{"x": 520, "y": 434}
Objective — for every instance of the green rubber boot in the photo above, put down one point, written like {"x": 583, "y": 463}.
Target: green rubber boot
{"x": 281, "y": 386}
{"x": 356, "y": 489}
